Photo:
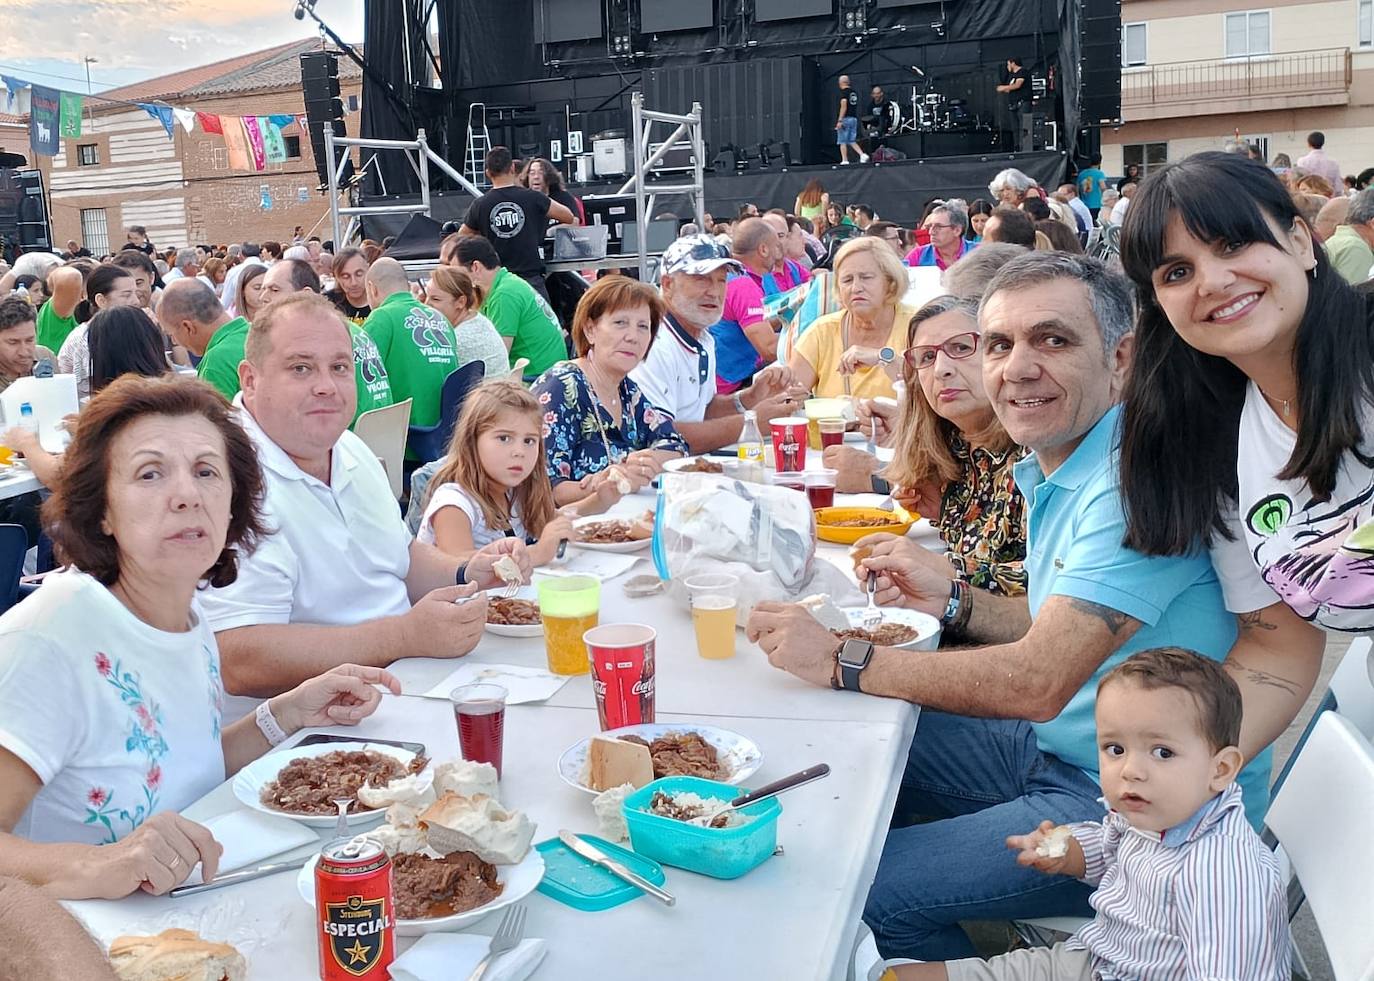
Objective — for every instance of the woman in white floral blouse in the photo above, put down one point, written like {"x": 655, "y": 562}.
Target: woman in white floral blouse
{"x": 109, "y": 675}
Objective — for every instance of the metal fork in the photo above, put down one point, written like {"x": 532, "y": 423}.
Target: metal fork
{"x": 873, "y": 617}
{"x": 508, "y": 936}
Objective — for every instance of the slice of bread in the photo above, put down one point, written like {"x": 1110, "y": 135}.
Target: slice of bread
{"x": 175, "y": 955}
{"x": 612, "y": 762}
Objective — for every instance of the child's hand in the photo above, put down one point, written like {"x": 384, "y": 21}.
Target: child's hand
{"x": 1029, "y": 853}
{"x": 557, "y": 530}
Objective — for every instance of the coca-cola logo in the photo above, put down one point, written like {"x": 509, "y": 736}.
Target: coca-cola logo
{"x": 644, "y": 686}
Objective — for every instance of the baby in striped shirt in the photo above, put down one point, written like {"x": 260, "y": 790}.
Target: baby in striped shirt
{"x": 1186, "y": 891}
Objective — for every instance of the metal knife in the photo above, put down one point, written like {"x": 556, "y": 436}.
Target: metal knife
{"x": 232, "y": 878}
{"x": 593, "y": 854}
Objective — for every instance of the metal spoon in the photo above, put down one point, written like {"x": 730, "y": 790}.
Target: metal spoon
{"x": 766, "y": 791}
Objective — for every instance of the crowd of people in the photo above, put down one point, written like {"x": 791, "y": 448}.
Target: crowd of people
{"x": 1151, "y": 475}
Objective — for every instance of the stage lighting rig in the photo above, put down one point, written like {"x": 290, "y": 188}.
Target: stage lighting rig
{"x": 302, "y": 6}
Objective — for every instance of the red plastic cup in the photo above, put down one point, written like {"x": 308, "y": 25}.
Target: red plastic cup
{"x": 789, "y": 444}
{"x": 622, "y": 658}
{"x": 480, "y": 711}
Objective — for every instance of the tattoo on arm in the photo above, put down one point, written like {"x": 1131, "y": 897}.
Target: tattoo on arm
{"x": 1260, "y": 678}
{"x": 1255, "y": 621}
{"x": 1114, "y": 619}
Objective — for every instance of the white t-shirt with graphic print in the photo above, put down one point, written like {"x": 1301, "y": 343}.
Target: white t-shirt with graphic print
{"x": 119, "y": 720}
{"x": 450, "y": 495}
{"x": 1317, "y": 556}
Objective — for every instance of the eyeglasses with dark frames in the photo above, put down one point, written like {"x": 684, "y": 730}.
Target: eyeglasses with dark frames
{"x": 956, "y": 348}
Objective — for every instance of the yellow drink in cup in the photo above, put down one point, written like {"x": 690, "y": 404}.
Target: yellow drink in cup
{"x": 6, "y": 456}
{"x": 714, "y": 602}
{"x": 570, "y": 606}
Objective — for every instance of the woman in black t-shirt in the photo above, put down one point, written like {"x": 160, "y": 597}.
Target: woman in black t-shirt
{"x": 540, "y": 175}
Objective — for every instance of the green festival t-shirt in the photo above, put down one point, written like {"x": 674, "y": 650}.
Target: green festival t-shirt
{"x": 418, "y": 348}
{"x": 52, "y": 329}
{"x": 220, "y": 364}
{"x": 374, "y": 388}
{"x": 524, "y": 316}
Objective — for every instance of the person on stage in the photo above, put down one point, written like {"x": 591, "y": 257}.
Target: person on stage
{"x": 1017, "y": 89}
{"x": 847, "y": 123}
{"x": 883, "y": 115}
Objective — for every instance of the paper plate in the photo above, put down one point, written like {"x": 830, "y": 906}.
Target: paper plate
{"x": 845, "y": 535}
{"x": 634, "y": 546}
{"x": 739, "y": 754}
{"x": 926, "y": 626}
{"x": 249, "y": 781}
{"x": 677, "y": 466}
{"x": 519, "y": 881}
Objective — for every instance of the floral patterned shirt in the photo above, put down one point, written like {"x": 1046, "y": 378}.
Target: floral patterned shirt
{"x": 580, "y": 437}
{"x": 983, "y": 520}
{"x": 118, "y": 720}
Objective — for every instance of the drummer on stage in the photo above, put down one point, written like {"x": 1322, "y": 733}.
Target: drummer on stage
{"x": 882, "y": 118}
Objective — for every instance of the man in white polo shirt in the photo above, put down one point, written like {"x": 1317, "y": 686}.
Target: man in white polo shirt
{"x": 339, "y": 578}
{"x": 679, "y": 373}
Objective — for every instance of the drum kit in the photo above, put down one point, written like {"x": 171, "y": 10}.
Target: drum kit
{"x": 934, "y": 112}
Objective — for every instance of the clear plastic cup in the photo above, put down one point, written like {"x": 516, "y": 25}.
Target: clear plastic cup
{"x": 715, "y": 602}
{"x": 569, "y": 607}
{"x": 480, "y": 711}
{"x": 820, "y": 487}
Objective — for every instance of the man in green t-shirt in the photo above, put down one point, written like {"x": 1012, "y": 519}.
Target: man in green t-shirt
{"x": 193, "y": 317}
{"x": 416, "y": 342}
{"x": 522, "y": 317}
{"x": 56, "y": 318}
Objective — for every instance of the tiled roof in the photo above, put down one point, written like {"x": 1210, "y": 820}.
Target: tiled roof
{"x": 270, "y": 68}
{"x": 9, "y": 119}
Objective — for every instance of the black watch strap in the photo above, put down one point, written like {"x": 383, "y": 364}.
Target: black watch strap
{"x": 849, "y": 677}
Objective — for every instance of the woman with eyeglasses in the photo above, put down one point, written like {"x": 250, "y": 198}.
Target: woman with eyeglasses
{"x": 953, "y": 463}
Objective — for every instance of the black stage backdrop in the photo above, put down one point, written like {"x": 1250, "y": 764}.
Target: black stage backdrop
{"x": 898, "y": 192}
{"x": 387, "y": 23}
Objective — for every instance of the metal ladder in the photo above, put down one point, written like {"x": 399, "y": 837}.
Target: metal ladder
{"x": 479, "y": 142}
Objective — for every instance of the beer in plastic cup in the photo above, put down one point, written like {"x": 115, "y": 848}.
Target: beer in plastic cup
{"x": 714, "y": 604}
{"x": 789, "y": 443}
{"x": 569, "y": 606}
{"x": 480, "y": 711}
{"x": 622, "y": 660}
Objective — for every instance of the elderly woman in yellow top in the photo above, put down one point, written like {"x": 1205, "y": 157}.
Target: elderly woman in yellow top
{"x": 855, "y": 350}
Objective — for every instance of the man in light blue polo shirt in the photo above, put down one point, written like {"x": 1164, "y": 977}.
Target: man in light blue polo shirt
{"x": 1056, "y": 342}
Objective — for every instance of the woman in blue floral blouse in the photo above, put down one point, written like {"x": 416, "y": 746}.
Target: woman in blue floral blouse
{"x": 598, "y": 427}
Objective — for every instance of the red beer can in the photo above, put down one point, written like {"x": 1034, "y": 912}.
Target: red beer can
{"x": 354, "y": 908}
{"x": 622, "y": 659}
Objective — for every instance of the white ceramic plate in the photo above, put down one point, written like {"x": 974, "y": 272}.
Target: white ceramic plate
{"x": 519, "y": 881}
{"x": 927, "y": 627}
{"x": 674, "y": 466}
{"x": 740, "y": 755}
{"x": 249, "y": 781}
{"x": 518, "y": 630}
{"x": 617, "y": 547}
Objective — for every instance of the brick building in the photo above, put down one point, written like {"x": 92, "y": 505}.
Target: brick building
{"x": 125, "y": 171}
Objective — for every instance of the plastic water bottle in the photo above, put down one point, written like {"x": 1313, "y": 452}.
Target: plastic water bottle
{"x": 27, "y": 420}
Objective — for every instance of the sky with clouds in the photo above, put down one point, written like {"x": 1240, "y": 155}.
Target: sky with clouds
{"x": 45, "y": 41}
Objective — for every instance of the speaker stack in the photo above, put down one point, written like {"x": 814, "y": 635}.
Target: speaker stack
{"x": 1100, "y": 43}
{"x": 320, "y": 83}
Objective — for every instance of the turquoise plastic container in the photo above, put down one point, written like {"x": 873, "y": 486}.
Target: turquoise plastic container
{"x": 582, "y": 884}
{"x": 722, "y": 853}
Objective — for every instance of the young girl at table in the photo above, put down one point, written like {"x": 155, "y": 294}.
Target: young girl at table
{"x": 493, "y": 482}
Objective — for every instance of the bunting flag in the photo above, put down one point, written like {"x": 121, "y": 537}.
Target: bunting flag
{"x": 210, "y": 122}
{"x": 255, "y": 145}
{"x": 71, "y": 106}
{"x": 186, "y": 117}
{"x": 237, "y": 142}
{"x": 44, "y": 120}
{"x": 163, "y": 114}
{"x": 17, "y": 95}
{"x": 272, "y": 142}
{"x": 282, "y": 120}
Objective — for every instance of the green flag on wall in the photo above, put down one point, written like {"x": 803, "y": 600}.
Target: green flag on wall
{"x": 72, "y": 104}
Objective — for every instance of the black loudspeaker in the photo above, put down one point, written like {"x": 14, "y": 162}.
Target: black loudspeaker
{"x": 1099, "y": 39}
{"x": 320, "y": 85}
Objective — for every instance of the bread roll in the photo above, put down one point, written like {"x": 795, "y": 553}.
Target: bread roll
{"x": 175, "y": 955}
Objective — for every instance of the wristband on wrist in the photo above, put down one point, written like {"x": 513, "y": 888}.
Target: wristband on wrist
{"x": 461, "y": 577}
{"x": 965, "y": 612}
{"x": 739, "y": 404}
{"x": 268, "y": 725}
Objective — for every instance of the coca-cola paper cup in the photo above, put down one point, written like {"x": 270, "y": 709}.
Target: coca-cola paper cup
{"x": 789, "y": 444}
{"x": 622, "y": 659}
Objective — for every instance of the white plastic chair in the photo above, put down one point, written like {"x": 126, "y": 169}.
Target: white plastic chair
{"x": 517, "y": 370}
{"x": 1321, "y": 817}
{"x": 1352, "y": 686}
{"x": 384, "y": 431}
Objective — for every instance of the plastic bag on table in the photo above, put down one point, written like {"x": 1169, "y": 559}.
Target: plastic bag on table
{"x": 764, "y": 535}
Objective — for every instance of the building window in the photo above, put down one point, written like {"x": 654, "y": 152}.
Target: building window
{"x": 1260, "y": 143}
{"x": 1146, "y": 156}
{"x": 293, "y": 144}
{"x": 87, "y": 154}
{"x": 95, "y": 231}
{"x": 1366, "y": 23}
{"x": 219, "y": 158}
{"x": 1247, "y": 34}
{"x": 1133, "y": 44}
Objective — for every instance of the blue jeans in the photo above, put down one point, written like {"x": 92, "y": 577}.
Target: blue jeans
{"x": 848, "y": 131}
{"x": 981, "y": 780}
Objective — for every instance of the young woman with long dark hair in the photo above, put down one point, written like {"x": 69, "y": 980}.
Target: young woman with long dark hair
{"x": 1247, "y": 416}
